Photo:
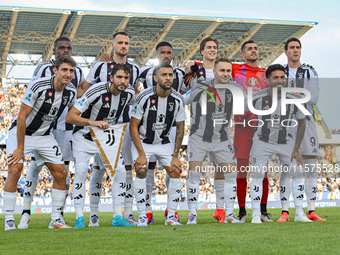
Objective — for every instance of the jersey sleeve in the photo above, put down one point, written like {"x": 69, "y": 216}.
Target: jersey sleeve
{"x": 313, "y": 87}
{"x": 299, "y": 114}
{"x": 29, "y": 97}
{"x": 84, "y": 102}
{"x": 73, "y": 100}
{"x": 181, "y": 116}
{"x": 94, "y": 73}
{"x": 82, "y": 76}
{"x": 138, "y": 109}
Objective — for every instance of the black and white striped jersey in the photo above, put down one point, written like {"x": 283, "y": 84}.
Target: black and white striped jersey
{"x": 98, "y": 103}
{"x": 212, "y": 126}
{"x": 47, "y": 105}
{"x": 304, "y": 77}
{"x": 157, "y": 115}
{"x": 273, "y": 128}
{"x": 146, "y": 77}
{"x": 46, "y": 70}
{"x": 100, "y": 72}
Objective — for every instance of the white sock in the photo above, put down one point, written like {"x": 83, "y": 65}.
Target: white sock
{"x": 9, "y": 205}
{"x": 58, "y": 202}
{"x": 219, "y": 188}
{"x": 150, "y": 182}
{"x": 79, "y": 191}
{"x": 119, "y": 191}
{"x": 298, "y": 188}
{"x": 31, "y": 183}
{"x": 230, "y": 192}
{"x": 256, "y": 191}
{"x": 140, "y": 189}
{"x": 311, "y": 185}
{"x": 285, "y": 188}
{"x": 128, "y": 203}
{"x": 193, "y": 190}
{"x": 174, "y": 192}
{"x": 96, "y": 186}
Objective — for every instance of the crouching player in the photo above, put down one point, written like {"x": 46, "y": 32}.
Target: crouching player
{"x": 100, "y": 106}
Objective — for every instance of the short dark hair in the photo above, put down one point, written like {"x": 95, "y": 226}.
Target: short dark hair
{"x": 161, "y": 44}
{"x": 273, "y": 68}
{"x": 65, "y": 59}
{"x": 227, "y": 60}
{"x": 205, "y": 40}
{"x": 161, "y": 65}
{"x": 292, "y": 39}
{"x": 245, "y": 43}
{"x": 120, "y": 66}
{"x": 120, "y": 33}
{"x": 61, "y": 39}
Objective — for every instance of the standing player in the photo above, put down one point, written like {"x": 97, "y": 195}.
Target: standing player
{"x": 303, "y": 76}
{"x": 204, "y": 72}
{"x": 100, "y": 106}
{"x": 272, "y": 136}
{"x": 62, "y": 131}
{"x": 43, "y": 103}
{"x": 155, "y": 111}
{"x": 163, "y": 55}
{"x": 248, "y": 75}
{"x": 100, "y": 72}
{"x": 208, "y": 137}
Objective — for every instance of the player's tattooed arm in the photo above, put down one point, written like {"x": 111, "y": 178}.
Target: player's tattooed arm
{"x": 300, "y": 133}
{"x": 179, "y": 137}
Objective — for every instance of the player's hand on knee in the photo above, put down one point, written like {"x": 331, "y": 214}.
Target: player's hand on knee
{"x": 15, "y": 157}
{"x": 175, "y": 165}
{"x": 140, "y": 162}
{"x": 297, "y": 155}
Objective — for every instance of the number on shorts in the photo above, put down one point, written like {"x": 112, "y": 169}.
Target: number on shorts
{"x": 110, "y": 137}
{"x": 231, "y": 148}
{"x": 71, "y": 145}
{"x": 57, "y": 153}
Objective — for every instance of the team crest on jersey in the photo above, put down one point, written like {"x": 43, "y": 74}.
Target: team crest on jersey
{"x": 228, "y": 98}
{"x": 50, "y": 94}
{"x": 28, "y": 98}
{"x": 81, "y": 101}
{"x": 123, "y": 101}
{"x": 253, "y": 81}
{"x": 65, "y": 99}
{"x": 171, "y": 106}
{"x": 153, "y": 101}
{"x": 107, "y": 99}
{"x": 300, "y": 75}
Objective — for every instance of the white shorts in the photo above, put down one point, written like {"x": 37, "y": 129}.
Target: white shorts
{"x": 162, "y": 152}
{"x": 64, "y": 139}
{"x": 126, "y": 148}
{"x": 223, "y": 152}
{"x": 262, "y": 151}
{"x": 310, "y": 142}
{"x": 84, "y": 150}
{"x": 172, "y": 140}
{"x": 45, "y": 147}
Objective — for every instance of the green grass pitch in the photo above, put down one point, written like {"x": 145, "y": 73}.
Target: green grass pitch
{"x": 208, "y": 237}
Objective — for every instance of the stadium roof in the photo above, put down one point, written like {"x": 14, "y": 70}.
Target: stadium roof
{"x": 32, "y": 31}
